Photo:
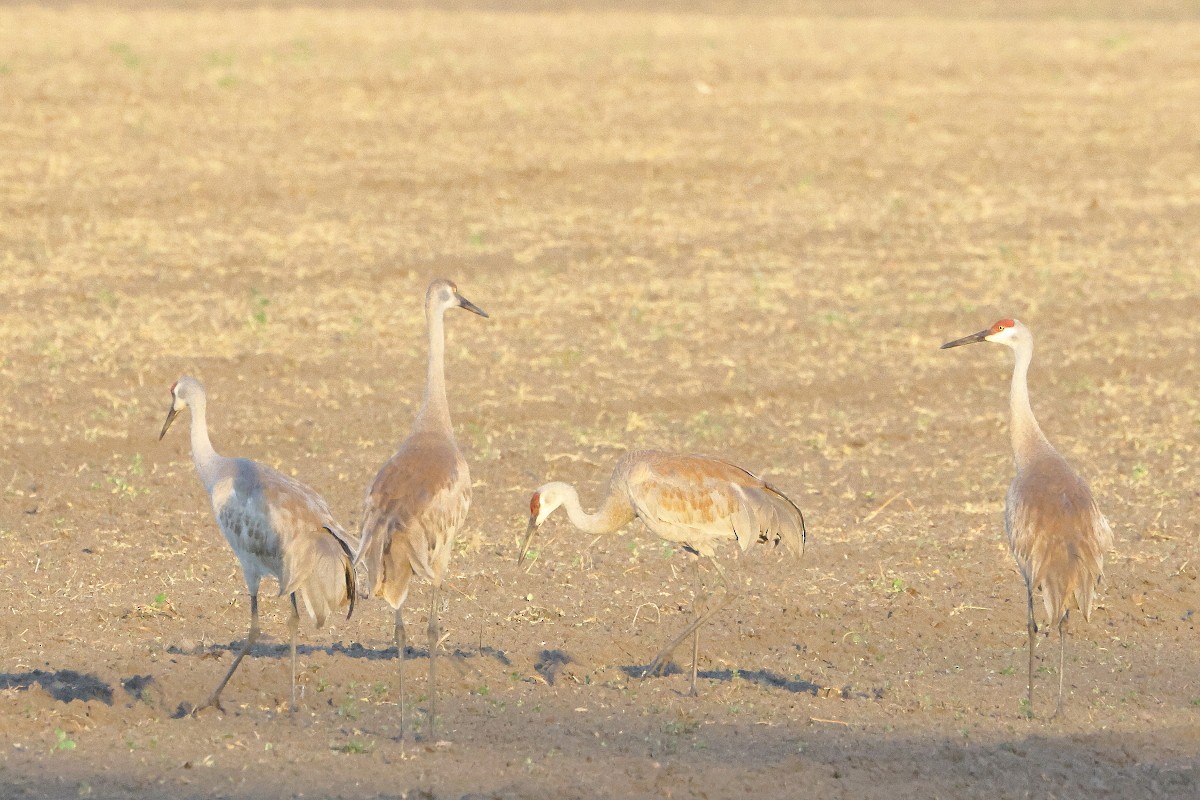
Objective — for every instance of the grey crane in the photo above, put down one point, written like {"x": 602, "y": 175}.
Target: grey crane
{"x": 1055, "y": 530}
{"x": 276, "y": 526}
{"x": 692, "y": 500}
{"x": 419, "y": 499}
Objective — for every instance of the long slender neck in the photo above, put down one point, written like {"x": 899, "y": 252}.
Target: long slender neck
{"x": 614, "y": 514}
{"x": 203, "y": 455}
{"x": 1027, "y": 436}
{"x": 435, "y": 411}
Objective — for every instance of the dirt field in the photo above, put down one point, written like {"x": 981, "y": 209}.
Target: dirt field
{"x": 741, "y": 234}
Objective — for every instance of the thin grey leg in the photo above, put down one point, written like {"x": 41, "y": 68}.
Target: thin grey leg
{"x": 214, "y": 699}
{"x": 1062, "y": 654}
{"x": 1031, "y": 627}
{"x": 665, "y": 653}
{"x": 401, "y": 639}
{"x": 293, "y": 626}
{"x": 434, "y": 636}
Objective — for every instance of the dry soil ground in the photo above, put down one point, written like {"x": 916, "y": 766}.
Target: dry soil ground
{"x": 737, "y": 233}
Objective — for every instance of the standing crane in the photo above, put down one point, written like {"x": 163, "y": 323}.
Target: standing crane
{"x": 276, "y": 526}
{"x": 692, "y": 500}
{"x": 419, "y": 499}
{"x": 1056, "y": 532}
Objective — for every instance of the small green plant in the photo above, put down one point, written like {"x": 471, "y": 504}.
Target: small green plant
{"x": 125, "y": 53}
{"x": 679, "y": 727}
{"x": 1140, "y": 473}
{"x": 160, "y": 600}
{"x": 706, "y": 427}
{"x": 355, "y": 747}
{"x": 1026, "y": 708}
{"x": 121, "y": 486}
{"x": 62, "y": 741}
{"x": 258, "y": 307}
{"x": 1009, "y": 670}
{"x": 348, "y": 709}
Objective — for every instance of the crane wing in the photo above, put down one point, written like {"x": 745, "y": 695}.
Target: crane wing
{"x": 411, "y": 514}
{"x": 700, "y": 501}
{"x": 1057, "y": 535}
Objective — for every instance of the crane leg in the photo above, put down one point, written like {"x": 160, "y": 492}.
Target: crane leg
{"x": 1062, "y": 653}
{"x": 400, "y": 638}
{"x": 293, "y": 626}
{"x": 214, "y": 699}
{"x": 700, "y": 601}
{"x": 1031, "y": 627}
{"x": 660, "y": 660}
{"x": 434, "y": 635}
{"x": 695, "y": 655}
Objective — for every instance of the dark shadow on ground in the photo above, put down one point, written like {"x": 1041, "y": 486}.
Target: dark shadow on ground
{"x": 63, "y": 685}
{"x": 352, "y": 650}
{"x": 763, "y": 677}
{"x": 549, "y": 663}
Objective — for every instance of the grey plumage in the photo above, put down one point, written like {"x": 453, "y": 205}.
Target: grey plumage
{"x": 276, "y": 526}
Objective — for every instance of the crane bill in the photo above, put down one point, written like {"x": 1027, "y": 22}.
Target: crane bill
{"x": 172, "y": 413}
{"x": 974, "y": 337}
{"x": 469, "y": 306}
{"x": 529, "y": 532}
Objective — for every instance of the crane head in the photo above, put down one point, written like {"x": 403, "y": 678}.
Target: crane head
{"x": 1002, "y": 331}
{"x": 182, "y": 389}
{"x": 444, "y": 294}
{"x": 541, "y": 505}
{"x": 177, "y": 405}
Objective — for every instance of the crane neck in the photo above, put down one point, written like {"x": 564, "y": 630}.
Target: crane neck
{"x": 1027, "y": 437}
{"x": 614, "y": 514}
{"x": 435, "y": 410}
{"x": 203, "y": 455}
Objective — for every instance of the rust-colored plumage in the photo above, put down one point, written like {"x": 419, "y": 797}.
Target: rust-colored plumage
{"x": 419, "y": 499}
{"x": 416, "y": 504}
{"x": 1056, "y": 533}
{"x": 276, "y": 526}
{"x": 696, "y": 501}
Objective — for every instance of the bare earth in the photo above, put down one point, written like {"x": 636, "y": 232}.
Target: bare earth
{"x": 744, "y": 234}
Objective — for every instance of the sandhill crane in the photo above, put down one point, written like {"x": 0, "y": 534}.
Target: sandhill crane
{"x": 1055, "y": 531}
{"x": 692, "y": 500}
{"x": 276, "y": 526}
{"x": 419, "y": 499}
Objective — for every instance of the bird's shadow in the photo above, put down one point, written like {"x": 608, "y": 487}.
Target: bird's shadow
{"x": 764, "y": 677}
{"x": 63, "y": 685}
{"x": 548, "y": 664}
{"x": 352, "y": 650}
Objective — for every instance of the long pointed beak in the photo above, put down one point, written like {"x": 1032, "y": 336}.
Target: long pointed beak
{"x": 974, "y": 337}
{"x": 171, "y": 415}
{"x": 469, "y": 306}
{"x": 529, "y": 532}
